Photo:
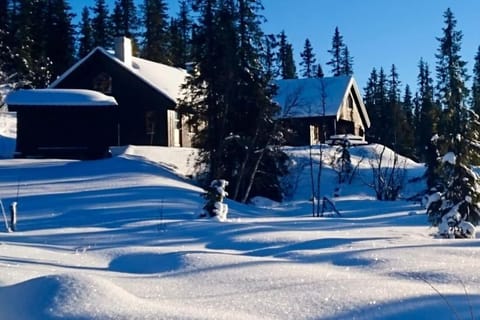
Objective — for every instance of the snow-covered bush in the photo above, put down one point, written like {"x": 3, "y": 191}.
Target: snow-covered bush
{"x": 214, "y": 207}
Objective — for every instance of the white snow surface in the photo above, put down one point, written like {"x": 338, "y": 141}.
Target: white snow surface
{"x": 119, "y": 238}
{"x": 58, "y": 97}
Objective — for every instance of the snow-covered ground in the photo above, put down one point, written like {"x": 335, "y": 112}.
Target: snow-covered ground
{"x": 119, "y": 239}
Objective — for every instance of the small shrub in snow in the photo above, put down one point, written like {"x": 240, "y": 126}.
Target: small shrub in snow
{"x": 214, "y": 207}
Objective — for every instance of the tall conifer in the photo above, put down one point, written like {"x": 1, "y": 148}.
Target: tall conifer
{"x": 308, "y": 60}
{"x": 85, "y": 39}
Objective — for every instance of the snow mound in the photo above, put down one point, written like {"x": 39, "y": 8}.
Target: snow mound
{"x": 74, "y": 296}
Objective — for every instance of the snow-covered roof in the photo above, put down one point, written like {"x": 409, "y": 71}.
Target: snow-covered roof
{"x": 304, "y": 97}
{"x": 165, "y": 79}
{"x": 58, "y": 97}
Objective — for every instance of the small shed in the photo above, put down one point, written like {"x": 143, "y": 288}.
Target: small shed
{"x": 63, "y": 123}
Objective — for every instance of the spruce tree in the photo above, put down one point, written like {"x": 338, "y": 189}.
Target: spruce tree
{"x": 180, "y": 33}
{"x": 60, "y": 39}
{"x": 155, "y": 35}
{"x": 318, "y": 71}
{"x": 369, "y": 98}
{"x": 453, "y": 207}
{"x": 231, "y": 92}
{"x": 30, "y": 52}
{"x": 337, "y": 61}
{"x": 455, "y": 211}
{"x": 451, "y": 77}
{"x": 476, "y": 84}
{"x": 393, "y": 116}
{"x": 285, "y": 60}
{"x": 85, "y": 40}
{"x": 407, "y": 126}
{"x": 347, "y": 62}
{"x": 125, "y": 22}
{"x": 427, "y": 123}
{"x": 308, "y": 60}
{"x": 102, "y": 35}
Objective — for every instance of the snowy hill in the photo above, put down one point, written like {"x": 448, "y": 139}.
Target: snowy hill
{"x": 119, "y": 238}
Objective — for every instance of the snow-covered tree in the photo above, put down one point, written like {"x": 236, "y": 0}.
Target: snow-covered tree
{"x": 453, "y": 205}
{"x": 214, "y": 206}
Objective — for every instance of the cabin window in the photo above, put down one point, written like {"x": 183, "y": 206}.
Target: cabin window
{"x": 350, "y": 102}
{"x": 150, "y": 125}
{"x": 103, "y": 83}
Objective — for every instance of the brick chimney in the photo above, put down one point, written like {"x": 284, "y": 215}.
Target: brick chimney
{"x": 123, "y": 50}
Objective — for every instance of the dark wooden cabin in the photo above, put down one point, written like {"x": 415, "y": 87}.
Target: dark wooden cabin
{"x": 146, "y": 92}
{"x": 78, "y": 124}
{"x": 333, "y": 103}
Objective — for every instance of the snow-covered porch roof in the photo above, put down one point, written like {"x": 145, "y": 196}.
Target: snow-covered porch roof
{"x": 58, "y": 97}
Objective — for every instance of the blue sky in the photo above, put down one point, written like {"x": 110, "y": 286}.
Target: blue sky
{"x": 378, "y": 33}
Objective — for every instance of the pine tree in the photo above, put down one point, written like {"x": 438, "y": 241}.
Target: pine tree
{"x": 30, "y": 53}
{"x": 125, "y": 22}
{"x": 102, "y": 35}
{"x": 60, "y": 38}
{"x": 451, "y": 77}
{"x": 85, "y": 40}
{"x": 476, "y": 84}
{"x": 180, "y": 32}
{"x": 231, "y": 92}
{"x": 308, "y": 60}
{"x": 455, "y": 211}
{"x": 347, "y": 62}
{"x": 337, "y": 60}
{"x": 155, "y": 36}
{"x": 371, "y": 106}
{"x": 285, "y": 61}
{"x": 453, "y": 207}
{"x": 318, "y": 71}
{"x": 393, "y": 117}
{"x": 407, "y": 125}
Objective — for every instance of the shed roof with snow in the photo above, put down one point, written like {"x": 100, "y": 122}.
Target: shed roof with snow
{"x": 58, "y": 97}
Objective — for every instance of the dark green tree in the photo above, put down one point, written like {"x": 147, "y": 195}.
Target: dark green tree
{"x": 30, "y": 60}
{"x": 476, "y": 83}
{"x": 85, "y": 39}
{"x": 125, "y": 21}
{"x": 155, "y": 43}
{"x": 101, "y": 26}
{"x": 180, "y": 32}
{"x": 407, "y": 126}
{"x": 336, "y": 63}
{"x": 347, "y": 62}
{"x": 285, "y": 60}
{"x": 60, "y": 37}
{"x": 318, "y": 70}
{"x": 231, "y": 93}
{"x": 454, "y": 206}
{"x": 308, "y": 60}
{"x": 451, "y": 77}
